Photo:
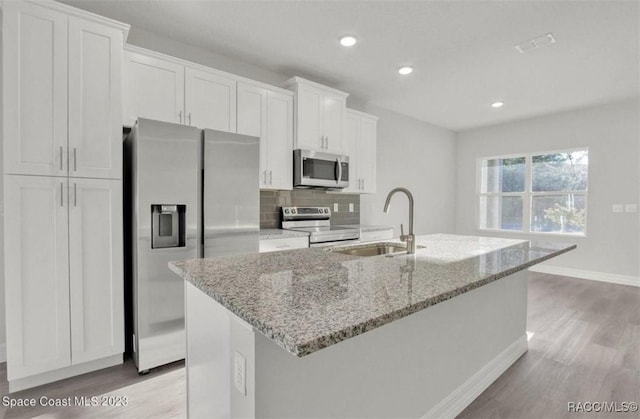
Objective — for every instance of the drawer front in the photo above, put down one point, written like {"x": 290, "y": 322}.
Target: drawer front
{"x": 275, "y": 245}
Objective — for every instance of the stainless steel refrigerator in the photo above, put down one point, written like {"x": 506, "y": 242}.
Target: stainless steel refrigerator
{"x": 191, "y": 193}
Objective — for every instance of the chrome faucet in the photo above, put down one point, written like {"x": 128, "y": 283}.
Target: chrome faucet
{"x": 410, "y": 238}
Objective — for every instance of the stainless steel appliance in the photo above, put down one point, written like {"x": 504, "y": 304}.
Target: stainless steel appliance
{"x": 313, "y": 169}
{"x": 190, "y": 193}
{"x": 317, "y": 222}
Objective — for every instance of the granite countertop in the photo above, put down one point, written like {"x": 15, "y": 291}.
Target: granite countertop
{"x": 308, "y": 299}
{"x": 278, "y": 233}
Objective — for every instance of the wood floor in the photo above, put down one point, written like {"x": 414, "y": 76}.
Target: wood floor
{"x": 584, "y": 347}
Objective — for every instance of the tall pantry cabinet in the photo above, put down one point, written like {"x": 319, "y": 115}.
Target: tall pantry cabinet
{"x": 62, "y": 152}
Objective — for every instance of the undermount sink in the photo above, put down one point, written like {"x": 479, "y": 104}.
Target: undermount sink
{"x": 373, "y": 249}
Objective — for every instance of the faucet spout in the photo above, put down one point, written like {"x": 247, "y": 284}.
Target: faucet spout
{"x": 410, "y": 239}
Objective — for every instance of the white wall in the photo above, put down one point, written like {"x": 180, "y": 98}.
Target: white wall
{"x": 612, "y": 134}
{"x": 420, "y": 157}
{"x": 174, "y": 48}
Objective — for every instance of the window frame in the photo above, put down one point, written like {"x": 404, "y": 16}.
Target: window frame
{"x": 528, "y": 194}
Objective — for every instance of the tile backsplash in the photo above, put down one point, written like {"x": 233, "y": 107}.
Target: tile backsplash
{"x": 271, "y": 201}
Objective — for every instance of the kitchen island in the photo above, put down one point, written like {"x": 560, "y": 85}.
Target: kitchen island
{"x": 283, "y": 334}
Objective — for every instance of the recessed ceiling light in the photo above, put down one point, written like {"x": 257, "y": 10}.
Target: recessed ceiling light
{"x": 348, "y": 41}
{"x": 405, "y": 70}
{"x": 497, "y": 104}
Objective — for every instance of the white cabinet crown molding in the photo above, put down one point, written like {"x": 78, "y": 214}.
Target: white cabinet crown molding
{"x": 294, "y": 81}
{"x": 161, "y": 56}
{"x": 72, "y": 11}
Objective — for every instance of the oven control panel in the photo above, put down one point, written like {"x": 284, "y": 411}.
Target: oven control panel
{"x": 305, "y": 213}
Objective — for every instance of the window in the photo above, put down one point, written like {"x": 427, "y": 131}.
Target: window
{"x": 535, "y": 193}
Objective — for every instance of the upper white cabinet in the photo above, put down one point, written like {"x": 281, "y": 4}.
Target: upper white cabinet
{"x": 168, "y": 89}
{"x": 268, "y": 114}
{"x": 360, "y": 146}
{"x": 210, "y": 100}
{"x": 62, "y": 92}
{"x": 153, "y": 89}
{"x": 319, "y": 113}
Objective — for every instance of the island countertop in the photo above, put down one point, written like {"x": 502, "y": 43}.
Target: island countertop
{"x": 308, "y": 299}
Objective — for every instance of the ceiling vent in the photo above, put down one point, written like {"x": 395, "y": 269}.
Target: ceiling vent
{"x": 535, "y": 43}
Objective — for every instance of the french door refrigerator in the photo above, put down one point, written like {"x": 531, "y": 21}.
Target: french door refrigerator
{"x": 189, "y": 193}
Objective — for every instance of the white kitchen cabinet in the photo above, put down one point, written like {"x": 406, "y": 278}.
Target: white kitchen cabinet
{"x": 167, "y": 89}
{"x": 95, "y": 100}
{"x": 153, "y": 88}
{"x": 210, "y": 100}
{"x": 289, "y": 243}
{"x": 268, "y": 114}
{"x": 360, "y": 146}
{"x": 96, "y": 269}
{"x": 319, "y": 113}
{"x": 36, "y": 275}
{"x": 64, "y": 273}
{"x": 63, "y": 73}
{"x": 62, "y": 92}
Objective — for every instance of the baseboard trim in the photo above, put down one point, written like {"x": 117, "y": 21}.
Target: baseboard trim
{"x": 586, "y": 274}
{"x": 24, "y": 383}
{"x": 460, "y": 398}
{"x": 3, "y": 352}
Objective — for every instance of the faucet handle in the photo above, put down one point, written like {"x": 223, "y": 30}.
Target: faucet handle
{"x": 403, "y": 238}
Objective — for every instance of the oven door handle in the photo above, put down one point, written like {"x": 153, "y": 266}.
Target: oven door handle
{"x": 339, "y": 170}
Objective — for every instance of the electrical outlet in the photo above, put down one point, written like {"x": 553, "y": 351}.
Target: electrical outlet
{"x": 240, "y": 373}
{"x": 335, "y": 207}
{"x": 618, "y": 208}
{"x": 351, "y": 207}
{"x": 630, "y": 207}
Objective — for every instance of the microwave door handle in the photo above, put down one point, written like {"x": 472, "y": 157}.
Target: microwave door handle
{"x": 339, "y": 171}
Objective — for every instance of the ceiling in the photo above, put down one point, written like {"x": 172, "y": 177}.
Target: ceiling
{"x": 462, "y": 51}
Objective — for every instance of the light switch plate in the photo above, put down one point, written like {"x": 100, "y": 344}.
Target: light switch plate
{"x": 240, "y": 373}
{"x": 335, "y": 207}
{"x": 618, "y": 208}
{"x": 351, "y": 207}
{"x": 630, "y": 207}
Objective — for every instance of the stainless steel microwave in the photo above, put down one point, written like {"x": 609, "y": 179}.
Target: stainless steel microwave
{"x": 314, "y": 169}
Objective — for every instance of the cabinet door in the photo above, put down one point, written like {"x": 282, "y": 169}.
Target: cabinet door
{"x": 280, "y": 140}
{"x": 36, "y": 274}
{"x": 252, "y": 120}
{"x": 210, "y": 100}
{"x": 153, "y": 88}
{"x": 367, "y": 154}
{"x": 95, "y": 100}
{"x": 309, "y": 133}
{"x": 333, "y": 122}
{"x": 35, "y": 89}
{"x": 351, "y": 137}
{"x": 96, "y": 269}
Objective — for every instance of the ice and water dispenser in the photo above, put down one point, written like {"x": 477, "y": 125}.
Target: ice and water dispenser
{"x": 168, "y": 227}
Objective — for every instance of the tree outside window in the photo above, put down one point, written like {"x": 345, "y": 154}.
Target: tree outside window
{"x": 544, "y": 193}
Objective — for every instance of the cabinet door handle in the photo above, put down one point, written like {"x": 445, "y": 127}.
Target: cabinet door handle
{"x": 75, "y": 195}
{"x": 61, "y": 197}
{"x": 180, "y": 116}
{"x": 265, "y": 176}
{"x": 189, "y": 118}
{"x": 60, "y": 157}
{"x": 363, "y": 184}
{"x": 75, "y": 159}
{"x": 270, "y": 177}
{"x": 327, "y": 141}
